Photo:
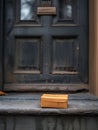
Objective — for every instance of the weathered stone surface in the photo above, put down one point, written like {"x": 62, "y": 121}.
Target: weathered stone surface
{"x": 23, "y": 112}
{"x": 25, "y": 122}
{"x": 78, "y": 104}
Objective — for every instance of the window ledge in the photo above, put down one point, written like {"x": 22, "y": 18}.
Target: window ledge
{"x": 29, "y": 103}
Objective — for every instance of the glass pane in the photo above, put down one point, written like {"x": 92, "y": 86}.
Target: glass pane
{"x": 27, "y": 10}
{"x": 65, "y": 11}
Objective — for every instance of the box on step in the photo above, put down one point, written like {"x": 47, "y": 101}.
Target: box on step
{"x": 54, "y": 101}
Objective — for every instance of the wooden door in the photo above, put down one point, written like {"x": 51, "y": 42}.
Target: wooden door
{"x": 45, "y": 49}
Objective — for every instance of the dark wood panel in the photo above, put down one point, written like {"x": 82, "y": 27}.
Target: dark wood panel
{"x": 42, "y": 49}
{"x": 28, "y": 55}
{"x": 46, "y": 78}
{"x": 65, "y": 55}
{"x": 1, "y": 42}
{"x": 54, "y": 31}
{"x": 47, "y": 87}
{"x": 9, "y": 17}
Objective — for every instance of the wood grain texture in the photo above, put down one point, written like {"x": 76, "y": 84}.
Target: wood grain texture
{"x": 54, "y": 101}
{"x": 46, "y": 87}
{"x": 31, "y": 55}
{"x": 1, "y": 43}
{"x": 46, "y": 11}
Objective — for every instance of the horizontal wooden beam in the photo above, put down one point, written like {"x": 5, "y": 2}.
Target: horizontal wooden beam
{"x": 46, "y": 87}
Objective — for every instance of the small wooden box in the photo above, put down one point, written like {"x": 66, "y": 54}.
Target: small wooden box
{"x": 54, "y": 101}
{"x": 46, "y": 11}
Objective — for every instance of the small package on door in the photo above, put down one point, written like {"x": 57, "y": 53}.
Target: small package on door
{"x": 54, "y": 101}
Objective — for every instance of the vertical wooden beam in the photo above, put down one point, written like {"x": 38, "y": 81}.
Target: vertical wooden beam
{"x": 93, "y": 46}
{"x": 1, "y": 43}
{"x": 96, "y": 49}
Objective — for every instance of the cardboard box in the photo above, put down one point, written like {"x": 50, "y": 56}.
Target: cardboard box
{"x": 54, "y": 101}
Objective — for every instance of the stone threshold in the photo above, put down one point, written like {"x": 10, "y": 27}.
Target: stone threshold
{"x": 29, "y": 103}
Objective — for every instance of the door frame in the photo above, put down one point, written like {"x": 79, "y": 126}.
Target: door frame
{"x": 93, "y": 45}
{"x": 1, "y": 42}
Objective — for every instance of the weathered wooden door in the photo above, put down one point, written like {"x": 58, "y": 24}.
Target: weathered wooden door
{"x": 50, "y": 48}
